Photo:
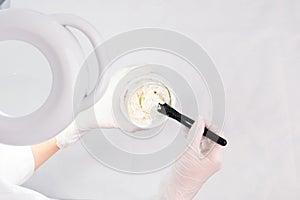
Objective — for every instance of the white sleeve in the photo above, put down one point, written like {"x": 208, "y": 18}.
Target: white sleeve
{"x": 15, "y": 192}
{"x": 16, "y": 163}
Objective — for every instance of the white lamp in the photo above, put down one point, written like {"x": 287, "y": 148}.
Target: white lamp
{"x": 50, "y": 35}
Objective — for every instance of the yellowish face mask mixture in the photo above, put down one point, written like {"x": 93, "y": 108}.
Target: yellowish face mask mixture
{"x": 143, "y": 102}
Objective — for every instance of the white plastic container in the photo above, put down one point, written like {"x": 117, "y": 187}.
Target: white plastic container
{"x": 141, "y": 77}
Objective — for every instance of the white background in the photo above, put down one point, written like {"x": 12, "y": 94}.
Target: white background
{"x": 255, "y": 45}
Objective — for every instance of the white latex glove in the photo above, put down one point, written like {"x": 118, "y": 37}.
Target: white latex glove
{"x": 103, "y": 109}
{"x": 69, "y": 136}
{"x": 191, "y": 171}
{"x": 85, "y": 120}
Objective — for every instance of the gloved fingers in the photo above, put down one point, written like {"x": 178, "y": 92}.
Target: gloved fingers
{"x": 185, "y": 130}
{"x": 216, "y": 154}
{"x": 200, "y": 145}
{"x": 206, "y": 146}
{"x": 195, "y": 135}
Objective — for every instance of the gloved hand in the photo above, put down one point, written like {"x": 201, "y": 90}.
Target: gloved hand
{"x": 191, "y": 171}
{"x": 69, "y": 136}
{"x": 102, "y": 111}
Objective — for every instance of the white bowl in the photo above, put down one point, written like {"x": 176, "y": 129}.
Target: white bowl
{"x": 137, "y": 77}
